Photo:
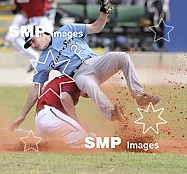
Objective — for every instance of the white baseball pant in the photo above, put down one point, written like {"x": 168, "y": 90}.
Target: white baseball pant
{"x": 19, "y": 20}
{"x": 54, "y": 125}
{"x": 95, "y": 71}
{"x": 18, "y": 42}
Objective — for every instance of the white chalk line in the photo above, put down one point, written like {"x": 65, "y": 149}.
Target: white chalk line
{"x": 17, "y": 130}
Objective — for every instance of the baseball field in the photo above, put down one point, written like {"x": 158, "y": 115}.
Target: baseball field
{"x": 163, "y": 74}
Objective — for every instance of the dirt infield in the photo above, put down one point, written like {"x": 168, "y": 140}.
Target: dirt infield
{"x": 169, "y": 70}
{"x": 11, "y": 143}
{"x": 171, "y": 139}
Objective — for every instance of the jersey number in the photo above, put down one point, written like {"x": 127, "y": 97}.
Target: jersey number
{"x": 77, "y": 48}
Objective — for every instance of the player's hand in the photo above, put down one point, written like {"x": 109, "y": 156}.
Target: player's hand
{"x": 16, "y": 123}
{"x": 85, "y": 95}
{"x": 106, "y": 6}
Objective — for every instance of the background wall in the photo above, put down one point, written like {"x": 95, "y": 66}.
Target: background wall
{"x": 178, "y": 37}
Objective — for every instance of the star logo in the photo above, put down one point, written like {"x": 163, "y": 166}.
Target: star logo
{"x": 150, "y": 118}
{"x": 34, "y": 62}
{"x": 31, "y": 142}
{"x": 156, "y": 29}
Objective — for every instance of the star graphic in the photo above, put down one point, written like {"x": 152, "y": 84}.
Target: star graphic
{"x": 50, "y": 89}
{"x": 31, "y": 141}
{"x": 156, "y": 28}
{"x": 34, "y": 62}
{"x": 150, "y": 118}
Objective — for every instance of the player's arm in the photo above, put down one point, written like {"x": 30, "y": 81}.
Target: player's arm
{"x": 68, "y": 105}
{"x": 98, "y": 25}
{"x": 31, "y": 100}
{"x": 105, "y": 8}
{"x": 54, "y": 3}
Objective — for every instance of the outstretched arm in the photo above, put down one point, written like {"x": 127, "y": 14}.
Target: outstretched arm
{"x": 54, "y": 3}
{"x": 31, "y": 100}
{"x": 68, "y": 105}
{"x": 105, "y": 8}
{"x": 98, "y": 25}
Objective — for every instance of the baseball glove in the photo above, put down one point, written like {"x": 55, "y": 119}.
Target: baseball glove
{"x": 106, "y": 6}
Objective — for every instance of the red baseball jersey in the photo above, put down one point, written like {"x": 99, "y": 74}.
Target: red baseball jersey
{"x": 33, "y": 8}
{"x": 58, "y": 85}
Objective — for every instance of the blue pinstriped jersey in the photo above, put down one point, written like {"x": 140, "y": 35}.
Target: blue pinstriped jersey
{"x": 67, "y": 51}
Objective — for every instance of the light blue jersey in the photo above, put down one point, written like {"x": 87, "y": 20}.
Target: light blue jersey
{"x": 67, "y": 51}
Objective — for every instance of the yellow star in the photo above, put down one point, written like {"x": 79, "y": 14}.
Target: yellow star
{"x": 31, "y": 142}
{"x": 150, "y": 118}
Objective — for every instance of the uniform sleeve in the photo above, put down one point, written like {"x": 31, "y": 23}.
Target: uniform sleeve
{"x": 81, "y": 30}
{"x": 41, "y": 76}
{"x": 72, "y": 90}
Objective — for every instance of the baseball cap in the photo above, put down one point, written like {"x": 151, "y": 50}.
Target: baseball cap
{"x": 30, "y": 36}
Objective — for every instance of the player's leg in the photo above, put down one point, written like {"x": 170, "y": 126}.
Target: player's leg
{"x": 88, "y": 82}
{"x": 107, "y": 65}
{"x": 31, "y": 53}
{"x": 18, "y": 43}
{"x": 121, "y": 61}
{"x": 55, "y": 125}
{"x": 18, "y": 21}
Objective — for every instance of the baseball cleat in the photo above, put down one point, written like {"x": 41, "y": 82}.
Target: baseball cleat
{"x": 31, "y": 68}
{"x": 118, "y": 114}
{"x": 5, "y": 44}
{"x": 145, "y": 99}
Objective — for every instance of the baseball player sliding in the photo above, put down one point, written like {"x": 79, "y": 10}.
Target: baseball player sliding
{"x": 56, "y": 118}
{"x": 31, "y": 13}
{"x": 72, "y": 56}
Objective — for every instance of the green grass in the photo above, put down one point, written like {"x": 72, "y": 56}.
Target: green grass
{"x": 118, "y": 163}
{"x": 12, "y": 102}
{"x": 173, "y": 100}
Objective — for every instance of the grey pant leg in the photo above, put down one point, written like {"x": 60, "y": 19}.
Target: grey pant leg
{"x": 87, "y": 81}
{"x": 97, "y": 70}
{"x": 109, "y": 64}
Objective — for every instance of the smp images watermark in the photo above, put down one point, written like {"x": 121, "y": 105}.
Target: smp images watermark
{"x": 142, "y": 146}
{"x": 114, "y": 142}
{"x": 101, "y": 143}
{"x": 15, "y": 31}
{"x": 25, "y": 31}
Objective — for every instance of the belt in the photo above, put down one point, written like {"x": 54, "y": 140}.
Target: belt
{"x": 76, "y": 69}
